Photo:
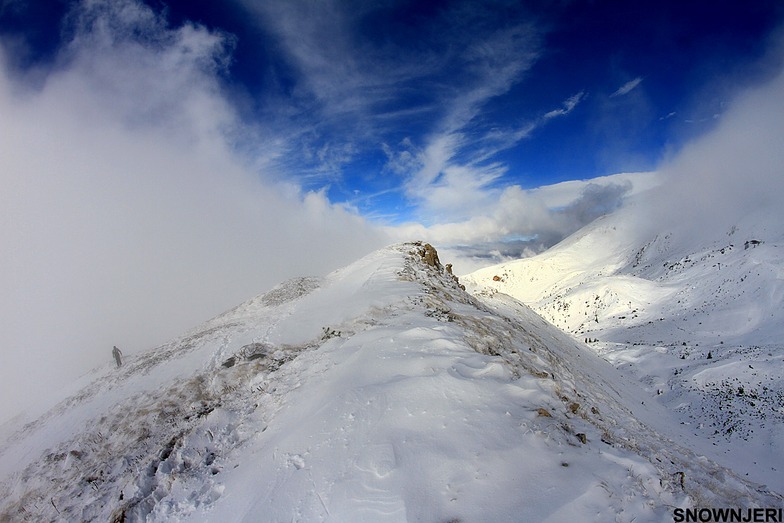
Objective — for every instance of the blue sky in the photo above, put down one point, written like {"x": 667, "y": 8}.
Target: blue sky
{"x": 513, "y": 93}
{"x": 375, "y": 103}
{"x": 162, "y": 161}
{"x": 378, "y": 99}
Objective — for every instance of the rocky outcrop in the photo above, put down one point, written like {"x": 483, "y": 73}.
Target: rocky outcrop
{"x": 430, "y": 257}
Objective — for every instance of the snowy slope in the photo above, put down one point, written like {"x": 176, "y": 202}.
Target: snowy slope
{"x": 382, "y": 392}
{"x": 699, "y": 321}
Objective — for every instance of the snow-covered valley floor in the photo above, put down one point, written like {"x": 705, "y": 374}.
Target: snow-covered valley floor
{"x": 382, "y": 392}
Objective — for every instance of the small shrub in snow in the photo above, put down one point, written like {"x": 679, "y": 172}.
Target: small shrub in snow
{"x": 329, "y": 333}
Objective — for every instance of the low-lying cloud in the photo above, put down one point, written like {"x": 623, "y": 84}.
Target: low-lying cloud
{"x": 126, "y": 214}
{"x": 734, "y": 171}
{"x": 514, "y": 222}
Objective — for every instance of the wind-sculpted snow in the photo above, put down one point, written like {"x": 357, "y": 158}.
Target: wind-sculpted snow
{"x": 383, "y": 392}
{"x": 129, "y": 456}
{"x": 103, "y": 385}
{"x": 290, "y": 290}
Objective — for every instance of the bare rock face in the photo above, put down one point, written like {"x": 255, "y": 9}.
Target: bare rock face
{"x": 430, "y": 255}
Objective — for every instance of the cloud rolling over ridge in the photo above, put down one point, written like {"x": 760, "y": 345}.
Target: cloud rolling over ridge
{"x": 154, "y": 174}
{"x": 127, "y": 214}
{"x": 734, "y": 171}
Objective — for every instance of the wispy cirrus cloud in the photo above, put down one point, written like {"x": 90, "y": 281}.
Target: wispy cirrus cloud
{"x": 568, "y": 106}
{"x": 340, "y": 75}
{"x": 435, "y": 83}
{"x": 455, "y": 176}
{"x": 627, "y": 87}
{"x": 361, "y": 90}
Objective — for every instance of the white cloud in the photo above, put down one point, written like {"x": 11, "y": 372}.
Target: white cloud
{"x": 454, "y": 177}
{"x": 562, "y": 194}
{"x": 514, "y": 222}
{"x": 449, "y": 173}
{"x": 713, "y": 183}
{"x": 341, "y": 77}
{"x": 126, "y": 217}
{"x": 733, "y": 171}
{"x": 568, "y": 106}
{"x": 357, "y": 86}
{"x": 627, "y": 87}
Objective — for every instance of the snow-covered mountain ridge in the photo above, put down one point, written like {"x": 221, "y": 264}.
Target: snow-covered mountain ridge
{"x": 382, "y": 392}
{"x": 698, "y": 319}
